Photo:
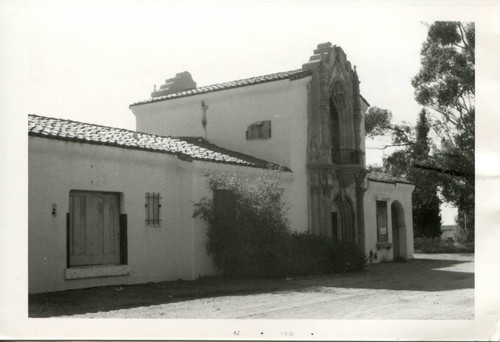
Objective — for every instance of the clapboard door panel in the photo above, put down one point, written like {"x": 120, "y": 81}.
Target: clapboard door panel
{"x": 94, "y": 235}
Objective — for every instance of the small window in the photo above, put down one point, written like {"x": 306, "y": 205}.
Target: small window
{"x": 259, "y": 130}
{"x": 153, "y": 209}
{"x": 382, "y": 230}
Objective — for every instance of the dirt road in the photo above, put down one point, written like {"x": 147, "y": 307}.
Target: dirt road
{"x": 428, "y": 287}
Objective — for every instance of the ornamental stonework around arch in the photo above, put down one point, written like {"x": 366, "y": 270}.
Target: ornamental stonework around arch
{"x": 334, "y": 169}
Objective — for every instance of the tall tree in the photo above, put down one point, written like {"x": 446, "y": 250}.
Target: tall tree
{"x": 426, "y": 203}
{"x": 417, "y": 148}
{"x": 445, "y": 87}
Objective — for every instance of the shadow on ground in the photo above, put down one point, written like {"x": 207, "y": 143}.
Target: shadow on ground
{"x": 415, "y": 275}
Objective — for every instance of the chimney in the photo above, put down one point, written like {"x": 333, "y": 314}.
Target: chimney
{"x": 181, "y": 82}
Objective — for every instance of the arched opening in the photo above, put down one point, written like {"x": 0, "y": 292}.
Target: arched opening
{"x": 342, "y": 132}
{"x": 334, "y": 132}
{"x": 398, "y": 231}
{"x": 336, "y": 236}
{"x": 343, "y": 219}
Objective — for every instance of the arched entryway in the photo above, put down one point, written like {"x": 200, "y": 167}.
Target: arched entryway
{"x": 398, "y": 231}
{"x": 342, "y": 219}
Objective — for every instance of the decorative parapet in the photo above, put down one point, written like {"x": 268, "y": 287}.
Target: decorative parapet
{"x": 335, "y": 161}
{"x": 181, "y": 82}
{"x": 333, "y": 79}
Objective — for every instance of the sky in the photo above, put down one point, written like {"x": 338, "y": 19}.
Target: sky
{"x": 89, "y": 62}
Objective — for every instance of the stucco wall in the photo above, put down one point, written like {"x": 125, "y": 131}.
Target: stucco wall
{"x": 230, "y": 112}
{"x": 390, "y": 192}
{"x": 175, "y": 250}
{"x": 154, "y": 253}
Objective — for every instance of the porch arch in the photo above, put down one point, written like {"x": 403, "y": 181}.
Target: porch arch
{"x": 400, "y": 249}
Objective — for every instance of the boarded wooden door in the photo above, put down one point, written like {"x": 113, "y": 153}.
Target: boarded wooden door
{"x": 94, "y": 236}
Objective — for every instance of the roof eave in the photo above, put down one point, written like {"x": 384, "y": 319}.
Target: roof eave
{"x": 364, "y": 100}
{"x": 179, "y": 155}
{"x": 187, "y": 94}
{"x": 389, "y": 181}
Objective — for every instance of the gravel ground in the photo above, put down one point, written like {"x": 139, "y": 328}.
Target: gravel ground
{"x": 432, "y": 286}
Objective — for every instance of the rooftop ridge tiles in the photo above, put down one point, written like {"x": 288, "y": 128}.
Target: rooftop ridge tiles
{"x": 292, "y": 74}
{"x": 102, "y": 126}
{"x": 384, "y": 177}
{"x": 104, "y": 135}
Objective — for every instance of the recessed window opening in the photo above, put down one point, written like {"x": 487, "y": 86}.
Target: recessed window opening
{"x": 382, "y": 229}
{"x": 259, "y": 130}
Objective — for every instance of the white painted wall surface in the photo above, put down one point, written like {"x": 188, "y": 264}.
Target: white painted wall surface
{"x": 175, "y": 250}
{"x": 392, "y": 192}
{"x": 230, "y": 112}
{"x": 154, "y": 253}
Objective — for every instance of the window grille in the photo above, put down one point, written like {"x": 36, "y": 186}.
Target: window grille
{"x": 153, "y": 209}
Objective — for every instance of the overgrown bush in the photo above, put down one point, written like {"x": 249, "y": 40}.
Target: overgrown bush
{"x": 251, "y": 237}
{"x": 347, "y": 257}
{"x": 254, "y": 240}
{"x": 438, "y": 245}
{"x": 309, "y": 254}
{"x": 312, "y": 254}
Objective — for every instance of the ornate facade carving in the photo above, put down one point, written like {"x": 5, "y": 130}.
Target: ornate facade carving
{"x": 334, "y": 136}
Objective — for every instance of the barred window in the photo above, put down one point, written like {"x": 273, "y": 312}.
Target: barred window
{"x": 153, "y": 209}
{"x": 259, "y": 130}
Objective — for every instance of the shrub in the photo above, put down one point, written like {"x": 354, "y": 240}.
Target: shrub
{"x": 250, "y": 236}
{"x": 254, "y": 240}
{"x": 309, "y": 254}
{"x": 437, "y": 245}
{"x": 312, "y": 254}
{"x": 347, "y": 257}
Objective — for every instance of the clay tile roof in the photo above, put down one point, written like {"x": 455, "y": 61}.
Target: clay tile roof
{"x": 184, "y": 148}
{"x": 291, "y": 75}
{"x": 386, "y": 178}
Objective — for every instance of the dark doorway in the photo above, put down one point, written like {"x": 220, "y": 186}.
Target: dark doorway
{"x": 398, "y": 231}
{"x": 335, "y": 227}
{"x": 346, "y": 218}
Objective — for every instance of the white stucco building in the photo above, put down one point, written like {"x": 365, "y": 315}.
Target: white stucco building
{"x": 111, "y": 206}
